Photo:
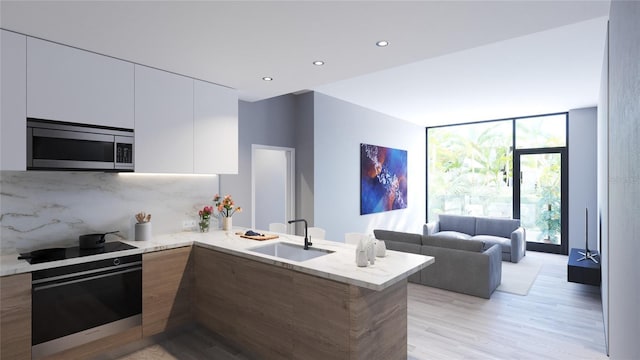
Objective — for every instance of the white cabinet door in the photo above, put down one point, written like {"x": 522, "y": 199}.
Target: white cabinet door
{"x": 216, "y": 129}
{"x": 13, "y": 123}
{"x": 78, "y": 86}
{"x": 164, "y": 122}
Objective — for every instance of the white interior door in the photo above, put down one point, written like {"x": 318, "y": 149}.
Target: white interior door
{"x": 273, "y": 185}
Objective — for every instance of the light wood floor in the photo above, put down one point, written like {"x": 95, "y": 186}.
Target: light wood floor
{"x": 556, "y": 320}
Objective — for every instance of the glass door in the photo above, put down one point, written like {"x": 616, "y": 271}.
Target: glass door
{"x": 540, "y": 199}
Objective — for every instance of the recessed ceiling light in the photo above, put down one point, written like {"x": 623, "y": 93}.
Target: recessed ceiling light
{"x": 267, "y": 78}
{"x": 382, "y": 43}
{"x": 318, "y": 62}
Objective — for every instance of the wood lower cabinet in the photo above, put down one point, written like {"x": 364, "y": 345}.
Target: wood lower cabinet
{"x": 167, "y": 278}
{"x": 15, "y": 317}
{"x": 277, "y": 313}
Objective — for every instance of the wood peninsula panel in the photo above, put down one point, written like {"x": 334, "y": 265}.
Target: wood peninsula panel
{"x": 167, "y": 281}
{"x": 15, "y": 316}
{"x": 265, "y": 307}
{"x": 244, "y": 301}
{"x": 320, "y": 317}
{"x": 216, "y": 292}
{"x": 378, "y": 322}
{"x": 272, "y": 312}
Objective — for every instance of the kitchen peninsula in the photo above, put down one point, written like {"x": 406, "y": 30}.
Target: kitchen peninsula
{"x": 271, "y": 307}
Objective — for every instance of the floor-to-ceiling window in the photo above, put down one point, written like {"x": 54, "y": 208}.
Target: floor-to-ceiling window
{"x": 469, "y": 169}
{"x": 503, "y": 168}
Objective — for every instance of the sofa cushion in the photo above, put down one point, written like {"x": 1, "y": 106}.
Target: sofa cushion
{"x": 398, "y": 236}
{"x": 452, "y": 243}
{"x": 490, "y": 240}
{"x": 464, "y": 224}
{"x": 496, "y": 226}
{"x": 452, "y": 235}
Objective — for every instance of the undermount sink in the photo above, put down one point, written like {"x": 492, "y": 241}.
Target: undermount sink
{"x": 290, "y": 251}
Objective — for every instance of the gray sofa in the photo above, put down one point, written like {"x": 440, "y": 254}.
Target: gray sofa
{"x": 462, "y": 266}
{"x": 506, "y": 232}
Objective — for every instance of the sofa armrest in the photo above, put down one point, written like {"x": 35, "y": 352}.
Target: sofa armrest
{"x": 431, "y": 228}
{"x": 518, "y": 244}
{"x": 495, "y": 266}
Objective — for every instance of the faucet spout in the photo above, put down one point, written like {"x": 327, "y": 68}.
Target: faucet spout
{"x": 306, "y": 239}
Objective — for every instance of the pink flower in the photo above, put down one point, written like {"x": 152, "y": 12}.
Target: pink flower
{"x": 226, "y": 206}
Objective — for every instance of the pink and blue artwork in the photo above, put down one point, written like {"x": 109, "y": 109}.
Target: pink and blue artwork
{"x": 383, "y": 179}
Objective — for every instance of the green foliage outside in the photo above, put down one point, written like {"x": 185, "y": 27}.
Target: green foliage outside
{"x": 548, "y": 219}
{"x": 469, "y": 168}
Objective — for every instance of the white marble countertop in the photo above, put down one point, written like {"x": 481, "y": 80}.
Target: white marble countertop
{"x": 338, "y": 266}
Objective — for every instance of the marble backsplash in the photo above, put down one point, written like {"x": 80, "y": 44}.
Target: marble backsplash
{"x": 43, "y": 209}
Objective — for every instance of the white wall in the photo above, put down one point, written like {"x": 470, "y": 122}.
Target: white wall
{"x": 339, "y": 129}
{"x": 603, "y": 187}
{"x": 45, "y": 209}
{"x": 582, "y": 177}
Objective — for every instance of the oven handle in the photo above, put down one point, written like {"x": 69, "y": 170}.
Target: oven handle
{"x": 44, "y": 287}
{"x": 87, "y": 272}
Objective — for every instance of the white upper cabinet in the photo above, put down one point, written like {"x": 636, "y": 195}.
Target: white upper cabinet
{"x": 67, "y": 84}
{"x": 216, "y": 129}
{"x": 13, "y": 123}
{"x": 163, "y": 122}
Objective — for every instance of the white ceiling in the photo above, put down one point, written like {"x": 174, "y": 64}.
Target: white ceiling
{"x": 448, "y": 61}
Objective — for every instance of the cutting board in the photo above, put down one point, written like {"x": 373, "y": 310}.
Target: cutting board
{"x": 257, "y": 237}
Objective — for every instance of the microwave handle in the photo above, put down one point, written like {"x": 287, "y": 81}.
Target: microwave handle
{"x": 76, "y": 135}
{"x": 29, "y": 147}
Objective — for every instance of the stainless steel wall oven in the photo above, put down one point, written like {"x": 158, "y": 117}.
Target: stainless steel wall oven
{"x": 76, "y": 304}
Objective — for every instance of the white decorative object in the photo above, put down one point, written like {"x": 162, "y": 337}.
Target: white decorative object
{"x": 227, "y": 223}
{"x": 371, "y": 252}
{"x": 381, "y": 248}
{"x": 361, "y": 253}
{"x": 143, "y": 231}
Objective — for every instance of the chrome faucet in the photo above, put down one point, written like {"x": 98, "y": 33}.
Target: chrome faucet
{"x": 306, "y": 239}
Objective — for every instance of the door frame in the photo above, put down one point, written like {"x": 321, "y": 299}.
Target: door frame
{"x": 290, "y": 154}
{"x": 564, "y": 200}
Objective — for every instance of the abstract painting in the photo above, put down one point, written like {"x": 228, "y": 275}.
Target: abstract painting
{"x": 383, "y": 179}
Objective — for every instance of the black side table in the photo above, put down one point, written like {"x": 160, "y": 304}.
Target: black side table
{"x": 585, "y": 271}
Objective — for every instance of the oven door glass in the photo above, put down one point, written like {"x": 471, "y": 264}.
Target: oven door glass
{"x": 70, "y": 305}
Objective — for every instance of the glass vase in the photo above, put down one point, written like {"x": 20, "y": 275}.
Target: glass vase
{"x": 204, "y": 224}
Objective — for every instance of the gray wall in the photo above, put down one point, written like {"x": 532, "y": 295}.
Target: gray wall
{"x": 624, "y": 179}
{"x": 340, "y": 127}
{"x": 268, "y": 122}
{"x": 582, "y": 176}
{"x": 304, "y": 138}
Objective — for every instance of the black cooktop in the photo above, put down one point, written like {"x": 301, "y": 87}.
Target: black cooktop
{"x": 53, "y": 254}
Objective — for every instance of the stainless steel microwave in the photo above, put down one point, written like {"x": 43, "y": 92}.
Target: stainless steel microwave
{"x": 56, "y": 145}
